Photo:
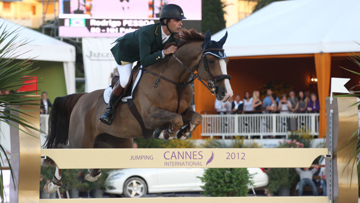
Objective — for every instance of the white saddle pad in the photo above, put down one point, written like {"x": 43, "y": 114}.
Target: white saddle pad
{"x": 108, "y": 90}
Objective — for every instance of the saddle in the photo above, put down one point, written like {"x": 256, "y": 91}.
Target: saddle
{"x": 128, "y": 98}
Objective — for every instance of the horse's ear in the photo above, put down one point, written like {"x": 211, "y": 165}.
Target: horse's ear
{"x": 207, "y": 38}
{"x": 223, "y": 40}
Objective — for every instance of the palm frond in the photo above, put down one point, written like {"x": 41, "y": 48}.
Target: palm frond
{"x": 14, "y": 73}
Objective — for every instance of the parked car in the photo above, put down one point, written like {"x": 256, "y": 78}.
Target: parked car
{"x": 141, "y": 181}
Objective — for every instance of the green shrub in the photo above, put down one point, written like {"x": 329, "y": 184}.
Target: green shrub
{"x": 280, "y": 178}
{"x": 212, "y": 143}
{"x": 239, "y": 143}
{"x": 177, "y": 143}
{"x": 149, "y": 143}
{"x": 222, "y": 182}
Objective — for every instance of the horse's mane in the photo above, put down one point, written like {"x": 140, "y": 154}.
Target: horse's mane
{"x": 191, "y": 35}
{"x": 187, "y": 36}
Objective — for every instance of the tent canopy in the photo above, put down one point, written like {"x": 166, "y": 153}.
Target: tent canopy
{"x": 296, "y": 27}
{"x": 41, "y": 47}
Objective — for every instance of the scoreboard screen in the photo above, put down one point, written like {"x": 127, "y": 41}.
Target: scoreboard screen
{"x": 114, "y": 18}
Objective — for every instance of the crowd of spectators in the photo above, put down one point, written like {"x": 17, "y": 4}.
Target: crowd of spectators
{"x": 302, "y": 103}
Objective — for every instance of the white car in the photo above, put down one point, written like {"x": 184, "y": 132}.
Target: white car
{"x": 141, "y": 181}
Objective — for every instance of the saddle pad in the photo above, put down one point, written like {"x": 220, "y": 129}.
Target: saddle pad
{"x": 108, "y": 90}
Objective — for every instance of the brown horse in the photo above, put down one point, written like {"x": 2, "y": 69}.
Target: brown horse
{"x": 74, "y": 120}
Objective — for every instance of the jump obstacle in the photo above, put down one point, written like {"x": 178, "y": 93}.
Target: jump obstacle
{"x": 342, "y": 181}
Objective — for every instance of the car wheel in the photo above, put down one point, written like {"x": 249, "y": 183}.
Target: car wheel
{"x": 135, "y": 187}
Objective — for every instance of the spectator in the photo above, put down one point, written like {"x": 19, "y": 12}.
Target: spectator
{"x": 237, "y": 105}
{"x": 45, "y": 104}
{"x": 6, "y": 92}
{"x": 267, "y": 101}
{"x": 272, "y": 108}
{"x": 293, "y": 101}
{"x": 322, "y": 175}
{"x": 256, "y": 102}
{"x": 302, "y": 102}
{"x": 285, "y": 105}
{"x": 306, "y": 177}
{"x": 307, "y": 97}
{"x": 12, "y": 92}
{"x": 313, "y": 106}
{"x": 222, "y": 107}
{"x": 248, "y": 103}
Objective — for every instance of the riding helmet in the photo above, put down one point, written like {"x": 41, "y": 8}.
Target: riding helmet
{"x": 172, "y": 11}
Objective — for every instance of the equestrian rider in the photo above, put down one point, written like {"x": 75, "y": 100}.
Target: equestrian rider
{"x": 147, "y": 45}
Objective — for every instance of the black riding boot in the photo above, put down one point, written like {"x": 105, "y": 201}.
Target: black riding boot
{"x": 109, "y": 114}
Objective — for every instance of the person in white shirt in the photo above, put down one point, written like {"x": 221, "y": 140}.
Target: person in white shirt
{"x": 284, "y": 105}
{"x": 248, "y": 103}
{"x": 237, "y": 105}
{"x": 222, "y": 107}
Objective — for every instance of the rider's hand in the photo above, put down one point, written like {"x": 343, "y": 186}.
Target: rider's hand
{"x": 170, "y": 50}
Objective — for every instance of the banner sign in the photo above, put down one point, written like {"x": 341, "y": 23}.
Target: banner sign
{"x": 99, "y": 62}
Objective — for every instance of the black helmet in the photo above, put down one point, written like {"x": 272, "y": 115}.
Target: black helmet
{"x": 172, "y": 11}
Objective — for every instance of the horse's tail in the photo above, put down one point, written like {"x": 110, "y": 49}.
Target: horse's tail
{"x": 59, "y": 120}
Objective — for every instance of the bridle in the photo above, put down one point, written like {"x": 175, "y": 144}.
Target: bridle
{"x": 213, "y": 79}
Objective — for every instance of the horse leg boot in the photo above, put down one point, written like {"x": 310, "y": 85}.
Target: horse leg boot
{"x": 55, "y": 183}
{"x": 115, "y": 97}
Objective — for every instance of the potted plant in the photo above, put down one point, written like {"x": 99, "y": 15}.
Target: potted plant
{"x": 74, "y": 182}
{"x": 282, "y": 179}
{"x": 226, "y": 182}
{"x": 97, "y": 188}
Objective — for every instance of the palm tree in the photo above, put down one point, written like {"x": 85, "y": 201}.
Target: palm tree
{"x": 12, "y": 72}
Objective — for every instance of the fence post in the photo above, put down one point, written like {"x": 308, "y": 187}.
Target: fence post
{"x": 26, "y": 157}
{"x": 342, "y": 177}
{"x": 274, "y": 123}
{"x": 313, "y": 131}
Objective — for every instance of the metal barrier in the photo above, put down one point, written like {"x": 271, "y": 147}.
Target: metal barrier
{"x": 258, "y": 124}
{"x": 28, "y": 185}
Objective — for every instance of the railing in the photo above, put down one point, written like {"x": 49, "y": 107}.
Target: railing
{"x": 259, "y": 124}
{"x": 44, "y": 123}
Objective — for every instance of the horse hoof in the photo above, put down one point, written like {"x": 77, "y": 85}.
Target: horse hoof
{"x": 90, "y": 178}
{"x": 51, "y": 187}
{"x": 183, "y": 133}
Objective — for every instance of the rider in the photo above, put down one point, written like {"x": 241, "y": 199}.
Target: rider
{"x": 147, "y": 45}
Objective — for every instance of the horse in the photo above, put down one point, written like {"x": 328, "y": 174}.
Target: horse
{"x": 164, "y": 107}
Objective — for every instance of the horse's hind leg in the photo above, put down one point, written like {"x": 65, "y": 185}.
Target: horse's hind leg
{"x": 191, "y": 120}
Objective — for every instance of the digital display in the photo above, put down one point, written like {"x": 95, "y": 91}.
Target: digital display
{"x": 114, "y": 18}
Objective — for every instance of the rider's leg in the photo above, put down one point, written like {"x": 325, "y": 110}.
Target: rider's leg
{"x": 117, "y": 93}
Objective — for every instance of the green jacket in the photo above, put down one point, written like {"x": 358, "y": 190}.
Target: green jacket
{"x": 144, "y": 44}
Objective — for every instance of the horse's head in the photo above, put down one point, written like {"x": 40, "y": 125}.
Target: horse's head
{"x": 212, "y": 67}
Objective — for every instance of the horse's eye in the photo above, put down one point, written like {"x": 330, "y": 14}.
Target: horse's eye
{"x": 211, "y": 61}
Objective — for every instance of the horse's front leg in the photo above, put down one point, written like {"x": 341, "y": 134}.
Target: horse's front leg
{"x": 158, "y": 118}
{"x": 191, "y": 120}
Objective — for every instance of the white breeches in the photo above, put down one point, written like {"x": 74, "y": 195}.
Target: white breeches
{"x": 124, "y": 73}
